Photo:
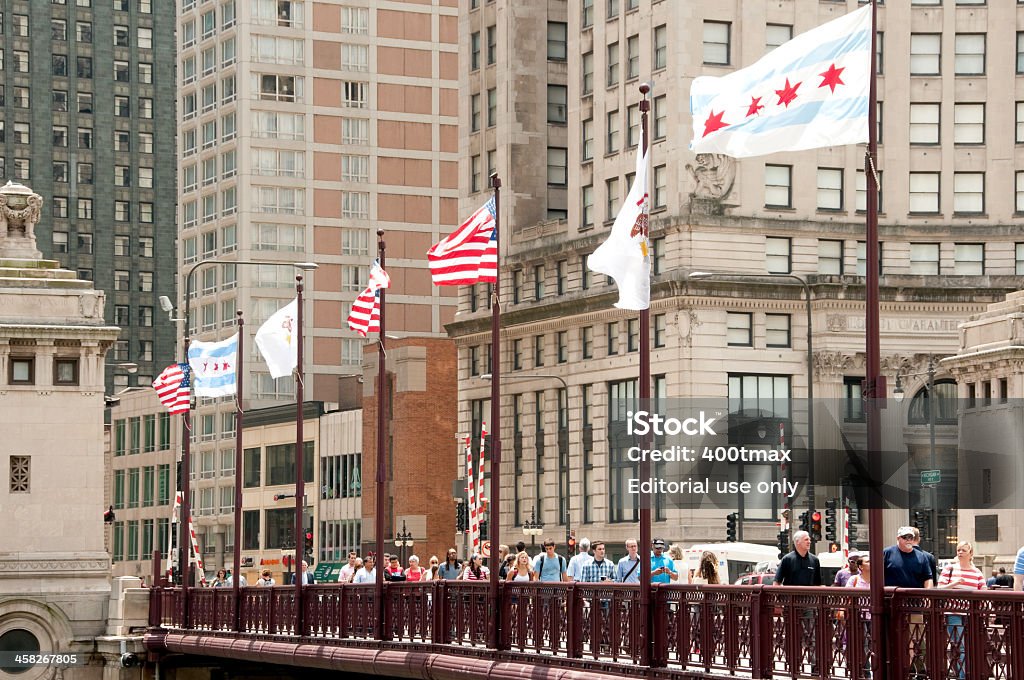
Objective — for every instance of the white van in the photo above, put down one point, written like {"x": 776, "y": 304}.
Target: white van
{"x": 734, "y": 559}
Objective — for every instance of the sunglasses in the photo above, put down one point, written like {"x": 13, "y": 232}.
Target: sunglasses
{"x": 907, "y": 537}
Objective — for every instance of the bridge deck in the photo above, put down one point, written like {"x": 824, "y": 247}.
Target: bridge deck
{"x": 697, "y": 631}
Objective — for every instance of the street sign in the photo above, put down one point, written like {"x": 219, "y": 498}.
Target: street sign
{"x": 930, "y": 477}
{"x": 485, "y": 549}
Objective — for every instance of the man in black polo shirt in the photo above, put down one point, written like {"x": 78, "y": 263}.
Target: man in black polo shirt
{"x": 800, "y": 567}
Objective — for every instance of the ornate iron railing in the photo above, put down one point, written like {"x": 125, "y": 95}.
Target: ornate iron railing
{"x": 745, "y": 631}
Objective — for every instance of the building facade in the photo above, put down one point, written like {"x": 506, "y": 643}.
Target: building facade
{"x": 949, "y": 207}
{"x": 88, "y": 111}
{"x": 305, "y": 127}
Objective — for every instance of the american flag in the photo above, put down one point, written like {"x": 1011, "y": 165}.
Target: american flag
{"x": 173, "y": 387}
{"x": 364, "y": 316}
{"x": 469, "y": 254}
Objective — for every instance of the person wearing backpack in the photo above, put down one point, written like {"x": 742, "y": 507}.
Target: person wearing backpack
{"x": 550, "y": 566}
{"x": 628, "y": 568}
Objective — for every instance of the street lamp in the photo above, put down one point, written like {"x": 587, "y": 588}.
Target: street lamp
{"x": 810, "y": 359}
{"x": 898, "y": 395}
{"x": 403, "y": 540}
{"x": 533, "y": 528}
{"x": 186, "y": 510}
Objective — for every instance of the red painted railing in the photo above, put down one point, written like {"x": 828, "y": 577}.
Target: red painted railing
{"x": 732, "y": 630}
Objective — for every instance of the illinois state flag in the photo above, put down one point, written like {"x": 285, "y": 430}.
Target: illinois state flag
{"x": 626, "y": 255}
{"x": 364, "y": 317}
{"x": 213, "y": 367}
{"x": 807, "y": 93}
{"x": 278, "y": 339}
{"x": 470, "y": 253}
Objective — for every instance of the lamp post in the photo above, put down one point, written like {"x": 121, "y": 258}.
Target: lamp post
{"x": 183, "y": 538}
{"x": 898, "y": 394}
{"x": 403, "y": 540}
{"x": 533, "y": 528}
{"x": 810, "y": 359}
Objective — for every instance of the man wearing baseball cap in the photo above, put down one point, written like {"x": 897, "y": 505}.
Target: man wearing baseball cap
{"x": 904, "y": 566}
{"x": 662, "y": 568}
{"x": 852, "y": 567}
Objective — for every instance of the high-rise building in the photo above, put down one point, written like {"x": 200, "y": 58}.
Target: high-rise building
{"x": 561, "y": 122}
{"x": 88, "y": 122}
{"x": 304, "y": 127}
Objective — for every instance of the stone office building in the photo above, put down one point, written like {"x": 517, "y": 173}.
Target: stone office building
{"x": 561, "y": 128}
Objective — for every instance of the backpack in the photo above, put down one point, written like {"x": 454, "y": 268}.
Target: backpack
{"x": 561, "y": 567}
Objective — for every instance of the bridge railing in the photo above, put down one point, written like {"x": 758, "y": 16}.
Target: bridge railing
{"x": 732, "y": 630}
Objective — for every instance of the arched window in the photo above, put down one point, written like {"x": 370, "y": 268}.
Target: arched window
{"x": 946, "y": 404}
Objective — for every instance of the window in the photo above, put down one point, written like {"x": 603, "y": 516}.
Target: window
{"x": 562, "y": 346}
{"x": 557, "y": 40}
{"x": 60, "y": 206}
{"x": 22, "y": 370}
{"x": 21, "y": 133}
{"x": 492, "y": 107}
{"x": 474, "y": 112}
{"x": 739, "y": 329}
{"x": 632, "y": 335}
{"x": 969, "y": 123}
{"x": 58, "y": 29}
{"x": 623, "y": 396}
{"x": 1020, "y": 52}
{"x": 492, "y": 45}
{"x": 925, "y": 54}
{"x": 60, "y": 241}
{"x": 969, "y": 53}
{"x": 587, "y": 13}
{"x": 587, "y": 73}
{"x": 60, "y": 100}
{"x": 924, "y": 123}
{"x": 474, "y": 50}
{"x": 353, "y": 95}
{"x": 355, "y": 20}
{"x": 121, "y": 36}
{"x": 83, "y": 67}
{"x": 612, "y": 337}
{"x": 587, "y": 206}
{"x": 924, "y": 259}
{"x": 85, "y": 243}
{"x": 660, "y": 187}
{"x": 830, "y": 189}
{"x": 632, "y": 57}
{"x": 587, "y": 342}
{"x": 59, "y": 64}
{"x": 778, "y": 255}
{"x": 538, "y": 282}
{"x": 660, "y": 117}
{"x": 969, "y": 259}
{"x": 716, "y": 42}
{"x": 632, "y": 125}
{"x": 1019, "y": 192}
{"x": 273, "y": 87}
{"x": 21, "y": 468}
{"x": 862, "y": 192}
{"x": 83, "y": 31}
{"x": 612, "y": 132}
{"x": 775, "y": 35}
{"x": 21, "y": 97}
{"x": 969, "y": 192}
{"x": 830, "y": 257}
{"x": 558, "y": 161}
{"x": 145, "y": 38}
{"x": 777, "y": 330}
{"x": 85, "y": 208}
{"x": 660, "y": 329}
{"x": 660, "y": 47}
{"x": 924, "y": 192}
{"x": 611, "y": 188}
{"x": 612, "y": 68}
{"x": 1018, "y": 259}
{"x": 853, "y": 410}
{"x": 778, "y": 186}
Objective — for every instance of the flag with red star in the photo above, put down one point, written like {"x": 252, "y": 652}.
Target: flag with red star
{"x": 808, "y": 93}
{"x": 213, "y": 367}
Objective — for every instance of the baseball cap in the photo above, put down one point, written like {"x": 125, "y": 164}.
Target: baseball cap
{"x": 660, "y": 542}
{"x": 853, "y": 555}
{"x": 904, "y": 531}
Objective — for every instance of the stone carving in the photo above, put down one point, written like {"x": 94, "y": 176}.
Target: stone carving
{"x": 19, "y": 213}
{"x": 686, "y": 322}
{"x": 828, "y": 363}
{"x": 713, "y": 175}
{"x": 836, "y": 323}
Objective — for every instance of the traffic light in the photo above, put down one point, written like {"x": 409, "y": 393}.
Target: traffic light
{"x": 853, "y": 535}
{"x": 831, "y": 534}
{"x": 307, "y": 550}
{"x": 805, "y": 521}
{"x": 483, "y": 530}
{"x": 783, "y": 543}
{"x": 921, "y": 521}
{"x": 730, "y": 526}
{"x": 570, "y": 541}
{"x": 461, "y": 520}
{"x": 815, "y": 526}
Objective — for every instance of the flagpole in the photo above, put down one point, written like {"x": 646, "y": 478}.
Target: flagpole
{"x": 494, "y": 525}
{"x": 381, "y": 449}
{"x": 185, "y": 511}
{"x": 646, "y": 656}
{"x": 875, "y": 388}
{"x": 300, "y": 481}
{"x": 240, "y": 374}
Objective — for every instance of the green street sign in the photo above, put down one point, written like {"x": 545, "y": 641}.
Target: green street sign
{"x": 930, "y": 477}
